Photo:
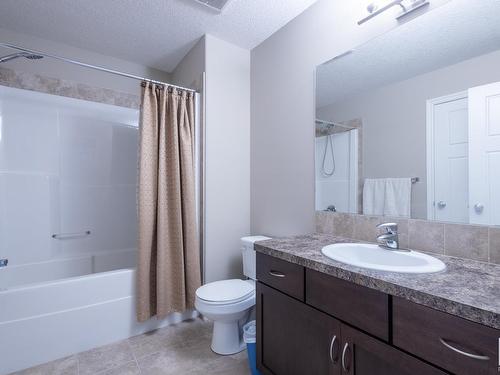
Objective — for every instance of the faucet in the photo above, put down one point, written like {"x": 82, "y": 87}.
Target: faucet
{"x": 331, "y": 208}
{"x": 390, "y": 239}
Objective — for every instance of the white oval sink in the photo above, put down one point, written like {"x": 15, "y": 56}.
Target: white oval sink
{"x": 376, "y": 258}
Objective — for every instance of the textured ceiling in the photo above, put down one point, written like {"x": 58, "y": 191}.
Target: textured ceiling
{"x": 454, "y": 32}
{"x": 154, "y": 33}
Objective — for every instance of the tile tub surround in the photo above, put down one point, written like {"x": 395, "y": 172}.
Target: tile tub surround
{"x": 183, "y": 348}
{"x": 476, "y": 242}
{"x": 56, "y": 86}
{"x": 467, "y": 288}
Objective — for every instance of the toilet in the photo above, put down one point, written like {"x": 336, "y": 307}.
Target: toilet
{"x": 228, "y": 303}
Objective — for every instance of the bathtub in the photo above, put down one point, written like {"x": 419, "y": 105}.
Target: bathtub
{"x": 53, "y": 309}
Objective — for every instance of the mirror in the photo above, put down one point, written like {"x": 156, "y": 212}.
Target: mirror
{"x": 408, "y": 124}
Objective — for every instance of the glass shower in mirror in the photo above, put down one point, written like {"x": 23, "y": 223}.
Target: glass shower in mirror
{"x": 336, "y": 156}
{"x": 422, "y": 109}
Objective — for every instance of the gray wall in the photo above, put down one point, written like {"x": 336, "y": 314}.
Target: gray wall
{"x": 227, "y": 155}
{"x": 283, "y": 109}
{"x": 189, "y": 72}
{"x": 394, "y": 120}
{"x": 227, "y": 149}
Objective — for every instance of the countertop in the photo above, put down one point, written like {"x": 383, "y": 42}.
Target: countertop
{"x": 467, "y": 288}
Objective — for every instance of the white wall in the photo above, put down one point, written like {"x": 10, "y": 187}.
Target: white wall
{"x": 55, "y": 69}
{"x": 283, "y": 110}
{"x": 397, "y": 112}
{"x": 227, "y": 154}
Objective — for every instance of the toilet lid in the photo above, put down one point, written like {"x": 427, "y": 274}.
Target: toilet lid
{"x": 226, "y": 291}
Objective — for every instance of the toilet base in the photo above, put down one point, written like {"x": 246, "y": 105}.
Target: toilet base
{"x": 227, "y": 338}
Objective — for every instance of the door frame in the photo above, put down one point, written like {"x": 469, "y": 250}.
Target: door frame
{"x": 430, "y": 154}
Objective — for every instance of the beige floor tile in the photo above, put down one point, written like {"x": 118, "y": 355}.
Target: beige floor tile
{"x": 169, "y": 362}
{"x": 104, "y": 358}
{"x": 64, "y": 366}
{"x": 182, "y": 334}
{"x": 180, "y": 349}
{"x": 129, "y": 368}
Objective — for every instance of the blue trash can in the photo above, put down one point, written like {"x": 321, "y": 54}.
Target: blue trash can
{"x": 249, "y": 335}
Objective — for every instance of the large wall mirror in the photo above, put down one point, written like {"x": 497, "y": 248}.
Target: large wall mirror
{"x": 408, "y": 124}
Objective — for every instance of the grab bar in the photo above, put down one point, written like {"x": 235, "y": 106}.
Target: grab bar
{"x": 68, "y": 236}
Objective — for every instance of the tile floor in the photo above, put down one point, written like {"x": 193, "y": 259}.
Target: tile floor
{"x": 183, "y": 348}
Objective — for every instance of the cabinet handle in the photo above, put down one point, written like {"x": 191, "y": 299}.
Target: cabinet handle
{"x": 333, "y": 357}
{"x": 470, "y": 355}
{"x": 344, "y": 351}
{"x": 276, "y": 273}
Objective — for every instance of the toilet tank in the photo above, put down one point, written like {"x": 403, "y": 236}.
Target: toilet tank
{"x": 248, "y": 253}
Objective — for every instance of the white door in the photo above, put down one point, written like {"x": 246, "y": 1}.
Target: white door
{"x": 484, "y": 151}
{"x": 449, "y": 182}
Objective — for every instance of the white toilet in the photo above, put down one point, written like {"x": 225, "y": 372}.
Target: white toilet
{"x": 228, "y": 303}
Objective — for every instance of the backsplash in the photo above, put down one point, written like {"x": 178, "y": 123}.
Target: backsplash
{"x": 475, "y": 242}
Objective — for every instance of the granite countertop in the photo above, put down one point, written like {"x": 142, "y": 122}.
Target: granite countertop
{"x": 467, "y": 288}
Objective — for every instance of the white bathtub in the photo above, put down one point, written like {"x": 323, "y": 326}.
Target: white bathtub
{"x": 44, "y": 317}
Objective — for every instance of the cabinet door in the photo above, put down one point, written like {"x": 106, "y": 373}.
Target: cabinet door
{"x": 363, "y": 355}
{"x": 293, "y": 338}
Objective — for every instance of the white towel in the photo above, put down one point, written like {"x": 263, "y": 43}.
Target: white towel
{"x": 397, "y": 197}
{"x": 374, "y": 196}
{"x": 387, "y": 196}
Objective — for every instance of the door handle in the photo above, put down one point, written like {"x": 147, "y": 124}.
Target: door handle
{"x": 478, "y": 207}
{"x": 276, "y": 273}
{"x": 344, "y": 362}
{"x": 441, "y": 204}
{"x": 333, "y": 357}
{"x": 470, "y": 355}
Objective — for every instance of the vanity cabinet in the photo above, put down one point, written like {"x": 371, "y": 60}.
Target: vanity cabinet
{"x": 318, "y": 324}
{"x": 453, "y": 343}
{"x": 293, "y": 338}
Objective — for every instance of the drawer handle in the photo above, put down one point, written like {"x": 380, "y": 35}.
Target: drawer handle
{"x": 470, "y": 355}
{"x": 344, "y": 351}
{"x": 333, "y": 357}
{"x": 276, "y": 273}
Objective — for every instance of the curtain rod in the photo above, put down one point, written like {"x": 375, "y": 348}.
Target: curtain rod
{"x": 90, "y": 66}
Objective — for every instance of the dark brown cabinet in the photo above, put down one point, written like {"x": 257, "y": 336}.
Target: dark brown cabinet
{"x": 310, "y": 323}
{"x": 296, "y": 339}
{"x": 364, "y": 355}
{"x": 450, "y": 342}
{"x": 361, "y": 307}
{"x": 293, "y": 338}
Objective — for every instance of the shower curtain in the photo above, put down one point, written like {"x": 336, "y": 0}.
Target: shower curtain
{"x": 168, "y": 270}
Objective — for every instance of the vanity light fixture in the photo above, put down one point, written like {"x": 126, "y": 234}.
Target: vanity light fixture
{"x": 407, "y": 6}
{"x": 217, "y": 5}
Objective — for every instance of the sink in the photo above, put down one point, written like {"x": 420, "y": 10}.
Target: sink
{"x": 375, "y": 258}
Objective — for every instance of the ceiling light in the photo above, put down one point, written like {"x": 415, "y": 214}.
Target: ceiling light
{"x": 407, "y": 6}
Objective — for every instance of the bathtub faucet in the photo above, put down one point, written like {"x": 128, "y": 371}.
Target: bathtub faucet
{"x": 3, "y": 262}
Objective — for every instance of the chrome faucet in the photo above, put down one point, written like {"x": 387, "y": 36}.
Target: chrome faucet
{"x": 390, "y": 239}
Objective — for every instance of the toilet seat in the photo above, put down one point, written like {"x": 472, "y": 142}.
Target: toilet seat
{"x": 226, "y": 292}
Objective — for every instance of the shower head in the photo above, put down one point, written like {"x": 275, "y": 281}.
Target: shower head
{"x": 20, "y": 54}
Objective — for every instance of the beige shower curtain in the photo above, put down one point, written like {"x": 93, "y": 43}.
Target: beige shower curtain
{"x": 169, "y": 258}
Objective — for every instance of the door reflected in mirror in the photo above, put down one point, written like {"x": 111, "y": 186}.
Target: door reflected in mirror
{"x": 408, "y": 124}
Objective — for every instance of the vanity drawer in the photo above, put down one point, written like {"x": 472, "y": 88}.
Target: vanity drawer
{"x": 453, "y": 343}
{"x": 362, "y": 307}
{"x": 282, "y": 275}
